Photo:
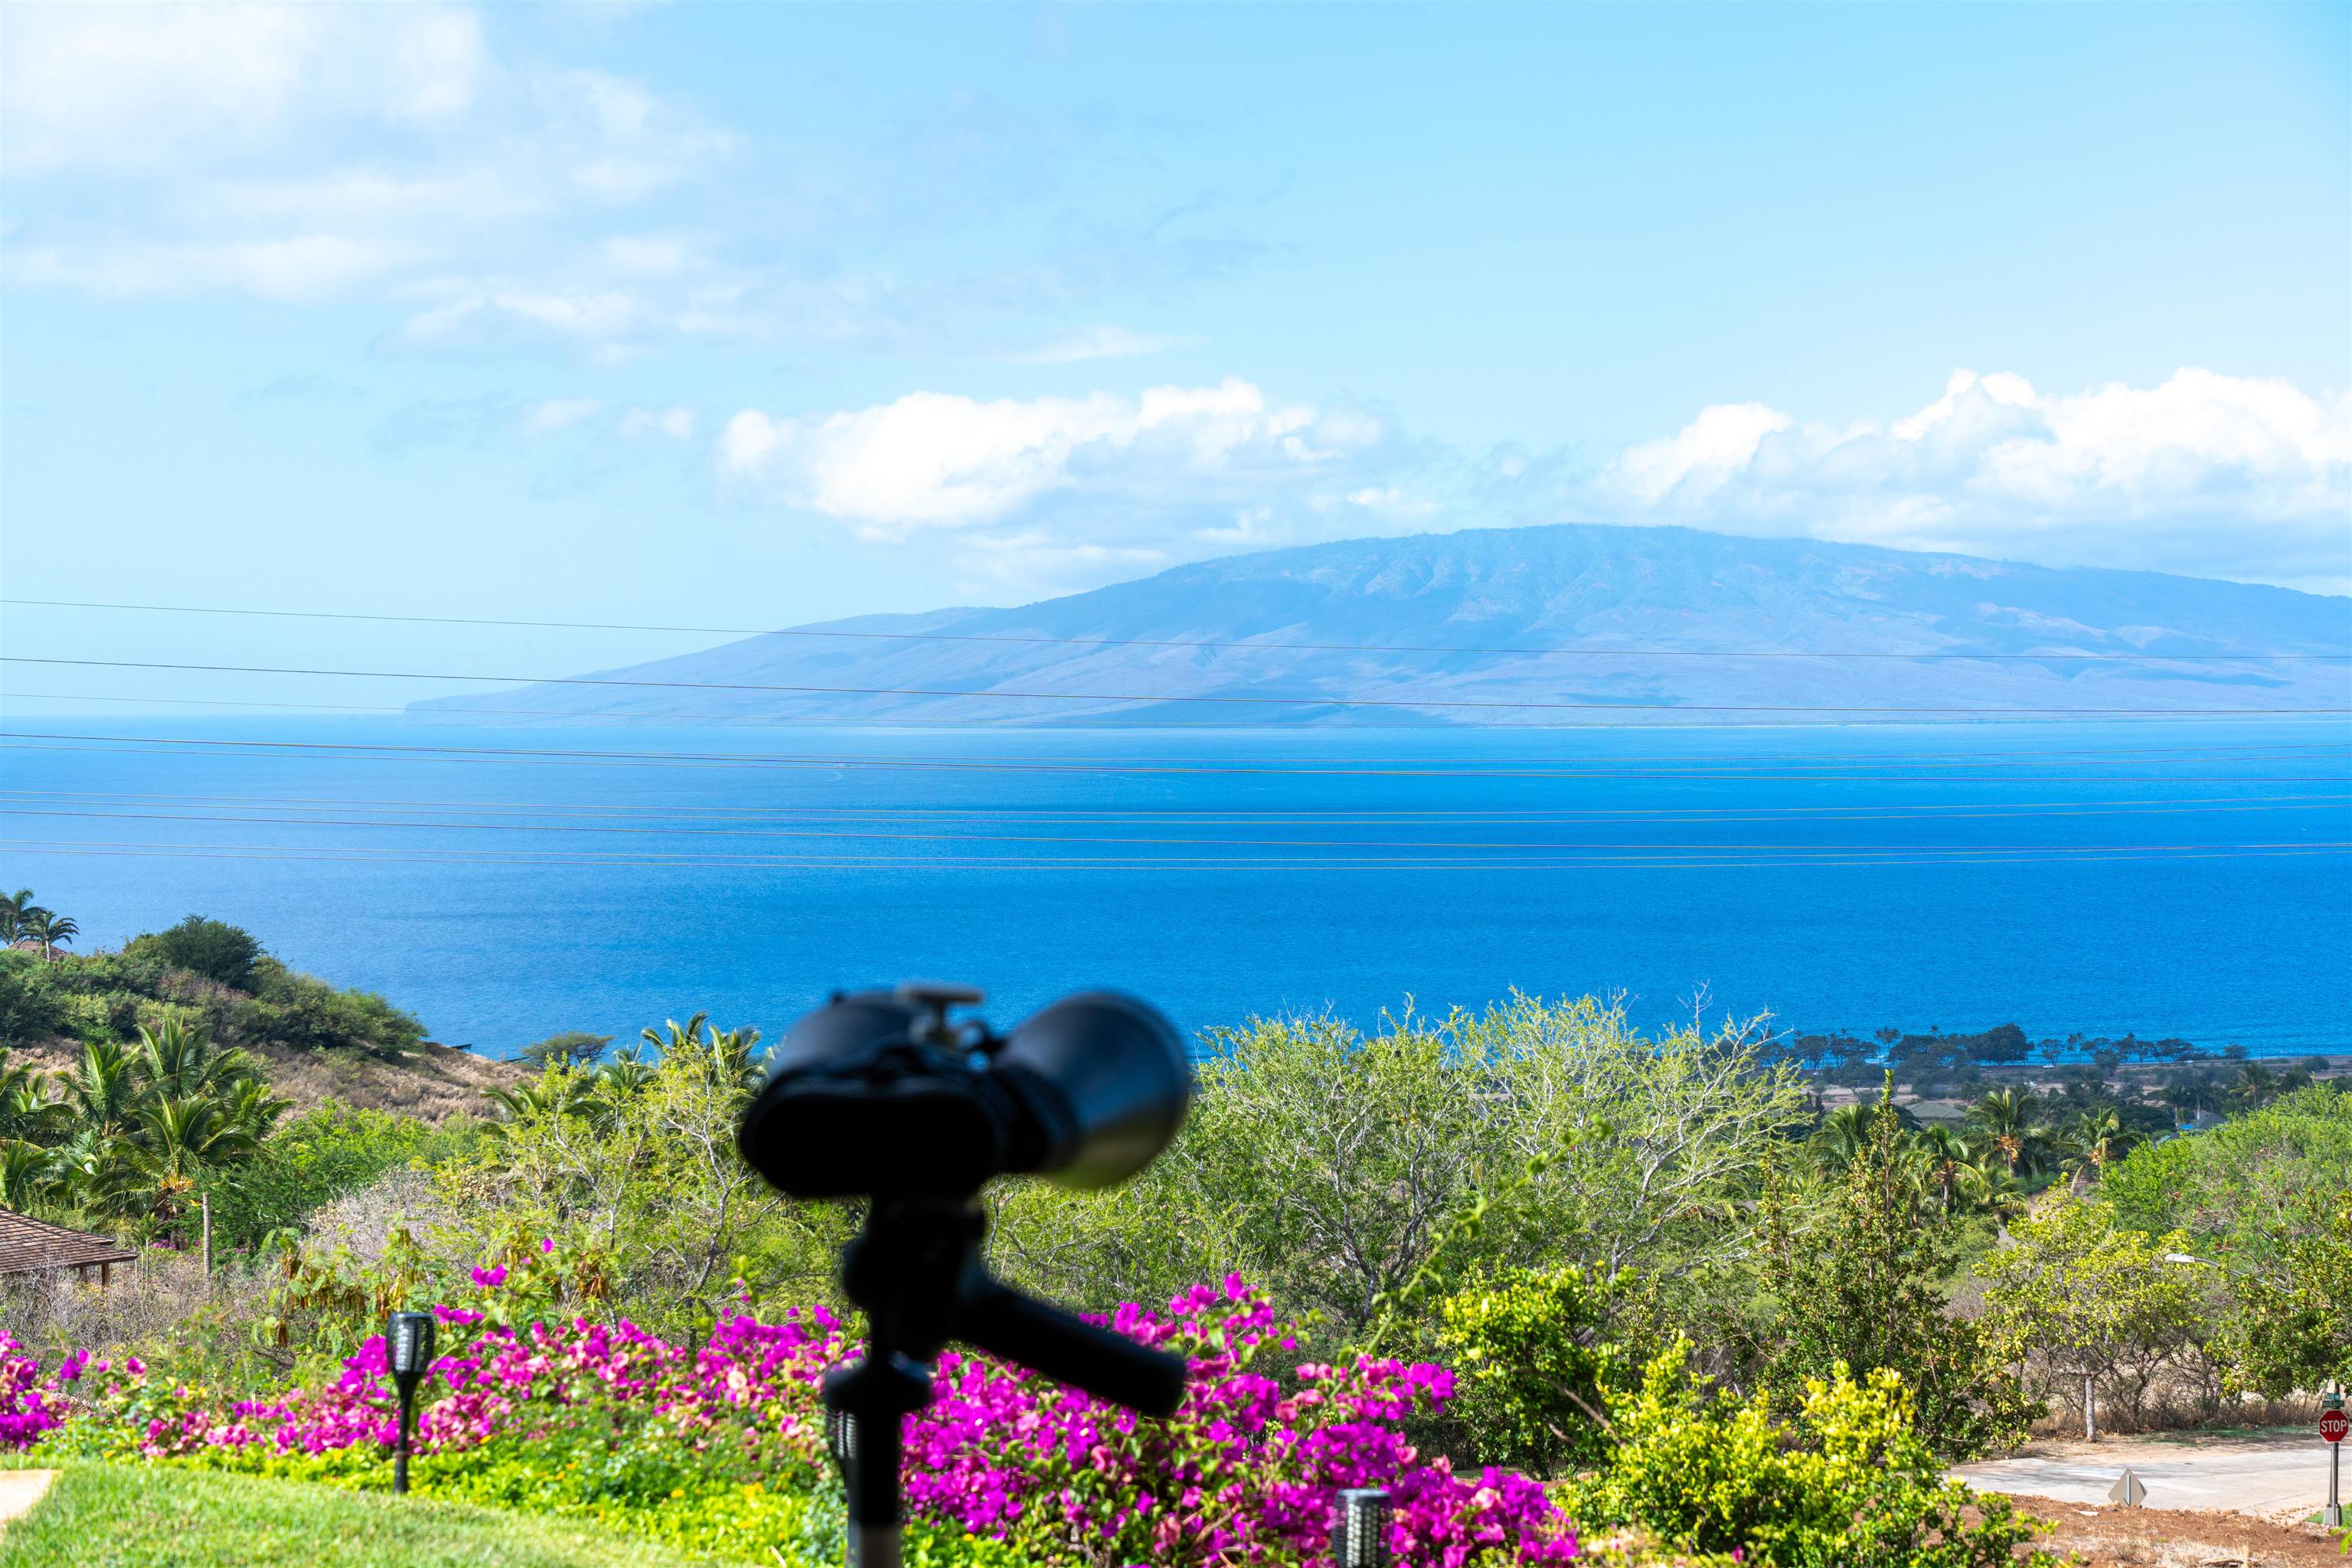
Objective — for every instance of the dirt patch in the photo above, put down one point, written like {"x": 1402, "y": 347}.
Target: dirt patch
{"x": 2172, "y": 1538}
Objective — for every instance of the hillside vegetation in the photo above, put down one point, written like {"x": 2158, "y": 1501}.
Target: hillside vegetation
{"x": 312, "y": 1041}
{"x": 1555, "y": 1283}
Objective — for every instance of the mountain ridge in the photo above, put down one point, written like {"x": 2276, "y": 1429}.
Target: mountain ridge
{"x": 1562, "y": 622}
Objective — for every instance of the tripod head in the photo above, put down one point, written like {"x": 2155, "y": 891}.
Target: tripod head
{"x": 880, "y": 1095}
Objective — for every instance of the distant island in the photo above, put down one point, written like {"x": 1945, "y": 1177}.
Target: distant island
{"x": 1570, "y": 624}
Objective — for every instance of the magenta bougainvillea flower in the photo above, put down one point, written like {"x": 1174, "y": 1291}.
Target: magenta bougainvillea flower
{"x": 1247, "y": 1470}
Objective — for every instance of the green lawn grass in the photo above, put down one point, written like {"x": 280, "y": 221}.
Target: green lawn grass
{"x": 152, "y": 1516}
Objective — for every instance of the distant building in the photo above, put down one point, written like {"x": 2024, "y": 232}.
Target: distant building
{"x": 1946, "y": 1113}
{"x": 29, "y": 1245}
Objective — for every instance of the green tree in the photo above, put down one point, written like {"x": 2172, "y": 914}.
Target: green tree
{"x": 51, "y": 931}
{"x": 2077, "y": 1295}
{"x": 2007, "y": 1125}
{"x": 2290, "y": 1326}
{"x": 2090, "y": 1141}
{"x": 2247, "y": 1190}
{"x": 226, "y": 955}
{"x": 572, "y": 1048}
{"x": 13, "y": 908}
{"x": 1951, "y": 1171}
{"x": 1858, "y": 1277}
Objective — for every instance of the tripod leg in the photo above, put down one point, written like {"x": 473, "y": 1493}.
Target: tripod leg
{"x": 874, "y": 1494}
{"x": 874, "y": 1546}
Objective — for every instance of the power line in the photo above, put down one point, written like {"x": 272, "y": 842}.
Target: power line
{"x": 1223, "y": 700}
{"x": 869, "y": 835}
{"x": 692, "y": 718}
{"x": 1792, "y": 857}
{"x": 1212, "y": 815}
{"x": 1249, "y": 646}
{"x": 1986, "y": 756}
{"x": 343, "y": 750}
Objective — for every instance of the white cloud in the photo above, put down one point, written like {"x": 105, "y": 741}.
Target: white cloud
{"x": 560, "y": 414}
{"x": 676, "y": 422}
{"x": 1700, "y": 457}
{"x": 324, "y": 152}
{"x": 1094, "y": 343}
{"x": 2204, "y": 473}
{"x": 442, "y": 160}
{"x": 1046, "y": 487}
{"x": 933, "y": 460}
{"x": 113, "y": 88}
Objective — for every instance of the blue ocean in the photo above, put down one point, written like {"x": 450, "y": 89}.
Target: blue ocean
{"x": 2168, "y": 880}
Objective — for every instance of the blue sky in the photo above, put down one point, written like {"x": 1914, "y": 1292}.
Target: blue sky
{"x": 754, "y": 315}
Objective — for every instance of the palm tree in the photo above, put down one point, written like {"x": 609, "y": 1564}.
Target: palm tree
{"x": 558, "y": 1092}
{"x": 1842, "y": 1137}
{"x": 2254, "y": 1086}
{"x": 1950, "y": 1169}
{"x": 179, "y": 1136}
{"x": 25, "y": 1110}
{"x": 252, "y": 1109}
{"x": 728, "y": 1056}
{"x": 13, "y": 908}
{"x": 627, "y": 1074}
{"x": 27, "y": 1172}
{"x": 103, "y": 1090}
{"x": 2090, "y": 1140}
{"x": 51, "y": 931}
{"x": 176, "y": 1057}
{"x": 2005, "y": 1125}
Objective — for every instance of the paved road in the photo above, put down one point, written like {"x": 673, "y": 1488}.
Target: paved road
{"x": 2283, "y": 1478}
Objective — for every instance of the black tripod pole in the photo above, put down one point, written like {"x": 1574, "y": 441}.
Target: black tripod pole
{"x": 879, "y": 1392}
{"x": 916, "y": 1270}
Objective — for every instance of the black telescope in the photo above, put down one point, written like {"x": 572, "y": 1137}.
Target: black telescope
{"x": 880, "y": 1095}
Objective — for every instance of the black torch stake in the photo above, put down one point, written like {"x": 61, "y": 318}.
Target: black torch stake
{"x": 408, "y": 1346}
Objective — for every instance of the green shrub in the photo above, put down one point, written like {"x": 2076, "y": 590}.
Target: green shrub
{"x": 221, "y": 953}
{"x": 1533, "y": 1368}
{"x": 1847, "y": 1482}
{"x": 29, "y": 1001}
{"x": 322, "y": 1155}
{"x": 305, "y": 1012}
{"x": 1858, "y": 1276}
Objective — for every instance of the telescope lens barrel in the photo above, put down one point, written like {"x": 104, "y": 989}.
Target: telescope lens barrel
{"x": 870, "y": 1095}
{"x": 1111, "y": 1082}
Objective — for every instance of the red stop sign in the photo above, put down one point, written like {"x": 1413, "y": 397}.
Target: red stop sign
{"x": 2334, "y": 1426}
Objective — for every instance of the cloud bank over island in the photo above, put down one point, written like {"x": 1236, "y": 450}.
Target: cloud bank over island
{"x": 2203, "y": 474}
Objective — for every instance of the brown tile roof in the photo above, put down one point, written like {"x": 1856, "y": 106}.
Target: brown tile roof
{"x": 29, "y": 1246}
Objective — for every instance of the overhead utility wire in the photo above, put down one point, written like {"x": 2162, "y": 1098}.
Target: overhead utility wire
{"x": 341, "y": 751}
{"x": 2058, "y": 854}
{"x": 613, "y": 829}
{"x": 1205, "y": 815}
{"x": 1223, "y": 700}
{"x": 1151, "y": 642}
{"x": 625, "y": 718}
{"x": 1978, "y": 756}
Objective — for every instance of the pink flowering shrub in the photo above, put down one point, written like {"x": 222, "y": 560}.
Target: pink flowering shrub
{"x": 720, "y": 1447}
{"x": 32, "y": 1403}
